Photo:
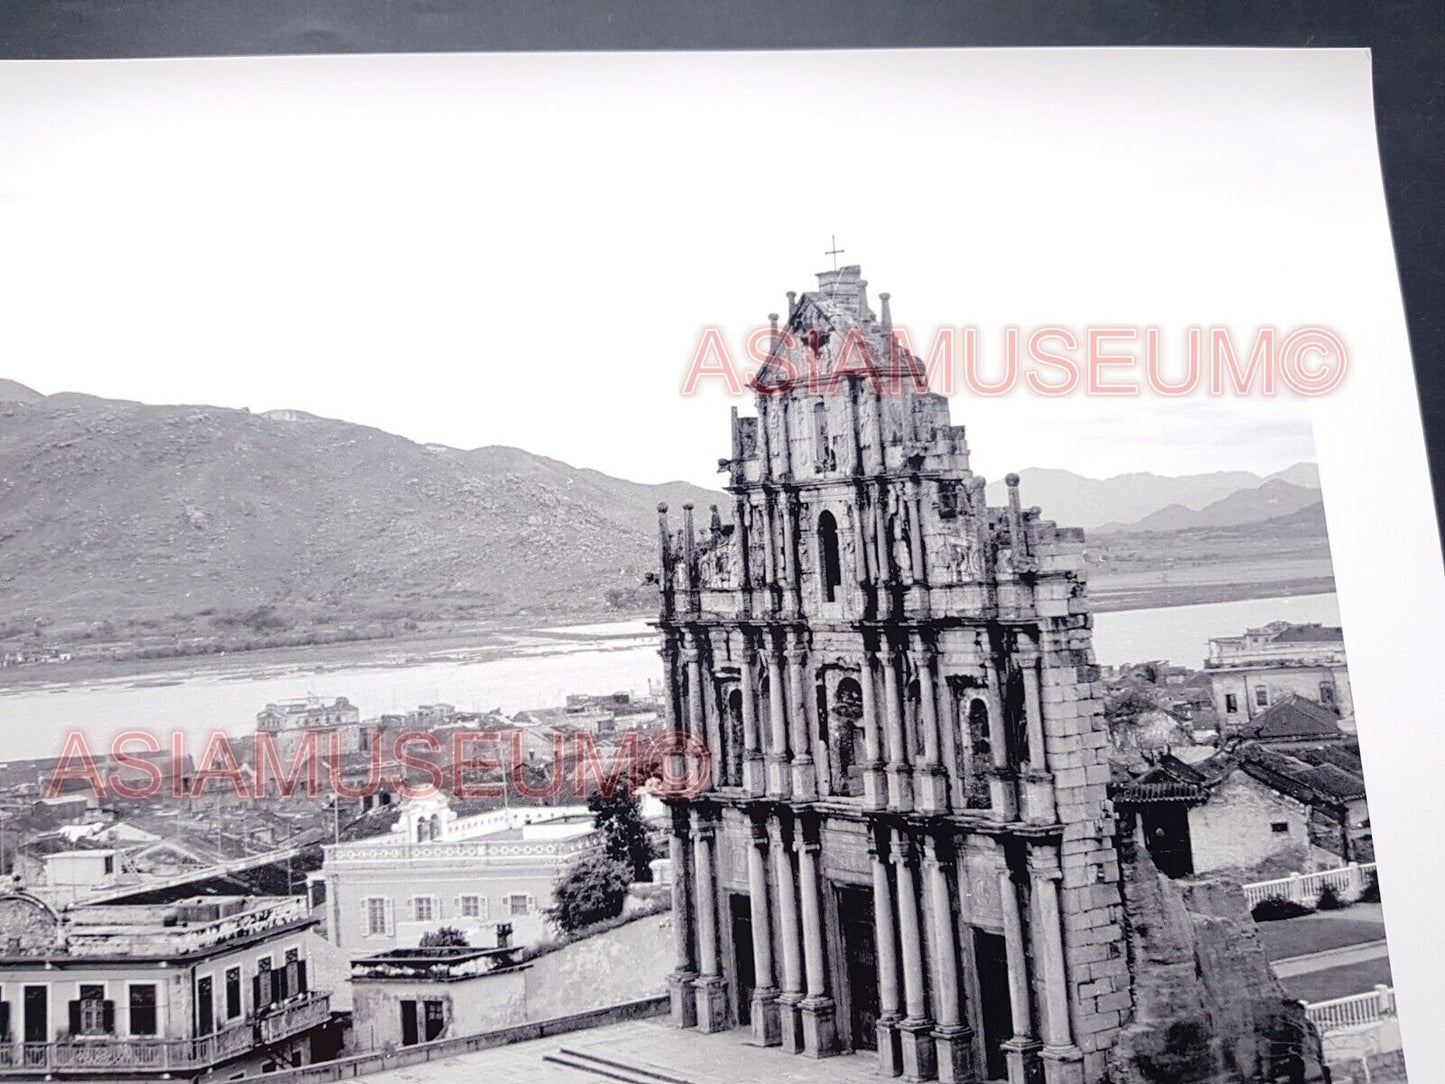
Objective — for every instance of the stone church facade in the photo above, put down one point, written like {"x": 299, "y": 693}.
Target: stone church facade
{"x": 905, "y": 844}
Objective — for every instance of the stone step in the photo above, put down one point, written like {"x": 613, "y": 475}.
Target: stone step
{"x": 612, "y": 1070}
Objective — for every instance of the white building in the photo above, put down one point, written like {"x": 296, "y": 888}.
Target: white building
{"x": 213, "y": 986}
{"x": 435, "y": 869}
{"x": 1250, "y": 673}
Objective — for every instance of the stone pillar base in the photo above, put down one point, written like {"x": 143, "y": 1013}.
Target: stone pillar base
{"x": 932, "y": 786}
{"x": 1003, "y": 797}
{"x": 712, "y": 1004}
{"x": 900, "y": 787}
{"x": 954, "y": 1047}
{"x": 767, "y": 1028}
{"x": 790, "y": 1023}
{"x": 920, "y": 1058}
{"x": 1039, "y": 798}
{"x": 875, "y": 787}
{"x": 1063, "y": 1065}
{"x": 755, "y": 774}
{"x": 779, "y": 779}
{"x": 805, "y": 778}
{"x": 1022, "y": 1058}
{"x": 820, "y": 1027}
{"x": 684, "y": 1003}
{"x": 890, "y": 1050}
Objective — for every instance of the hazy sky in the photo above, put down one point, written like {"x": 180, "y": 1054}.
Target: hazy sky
{"x": 523, "y": 249}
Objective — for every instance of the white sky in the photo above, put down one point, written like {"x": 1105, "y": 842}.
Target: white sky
{"x": 522, "y": 249}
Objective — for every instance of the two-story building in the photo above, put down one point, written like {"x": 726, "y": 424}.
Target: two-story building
{"x": 209, "y": 988}
{"x": 489, "y": 875}
{"x": 1252, "y": 672}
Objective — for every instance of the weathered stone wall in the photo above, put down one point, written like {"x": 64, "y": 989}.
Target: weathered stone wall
{"x": 1207, "y": 1007}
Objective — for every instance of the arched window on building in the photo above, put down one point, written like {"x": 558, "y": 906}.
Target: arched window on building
{"x": 829, "y": 568}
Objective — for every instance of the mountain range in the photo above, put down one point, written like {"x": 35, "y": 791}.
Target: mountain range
{"x": 1154, "y": 502}
{"x": 135, "y": 523}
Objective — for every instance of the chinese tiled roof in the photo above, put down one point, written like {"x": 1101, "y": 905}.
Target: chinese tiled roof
{"x": 1295, "y": 718}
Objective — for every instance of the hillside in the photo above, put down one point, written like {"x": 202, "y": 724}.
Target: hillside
{"x": 121, "y": 521}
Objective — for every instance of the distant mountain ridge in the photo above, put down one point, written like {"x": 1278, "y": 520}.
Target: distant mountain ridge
{"x": 127, "y": 522}
{"x": 1122, "y": 501}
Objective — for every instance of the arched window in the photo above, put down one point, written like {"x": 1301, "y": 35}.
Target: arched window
{"x": 828, "y": 567}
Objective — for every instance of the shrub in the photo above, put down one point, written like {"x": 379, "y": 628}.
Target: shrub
{"x": 1371, "y": 893}
{"x": 593, "y": 889}
{"x": 1330, "y": 900}
{"x": 446, "y": 937}
{"x": 1276, "y": 907}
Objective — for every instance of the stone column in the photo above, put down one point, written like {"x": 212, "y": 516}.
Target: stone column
{"x": 696, "y": 721}
{"x": 805, "y": 775}
{"x": 890, "y": 1014}
{"x": 875, "y": 792}
{"x": 915, "y": 1031}
{"x": 779, "y": 780}
{"x": 710, "y": 986}
{"x": 754, "y": 774}
{"x": 741, "y": 510}
{"x": 1038, "y": 783}
{"x": 953, "y": 1039}
{"x": 1063, "y": 1061}
{"x": 820, "y": 1027}
{"x": 1003, "y": 785}
{"x": 684, "y": 1003}
{"x": 900, "y": 777}
{"x": 949, "y": 736}
{"x": 915, "y": 535}
{"x": 766, "y": 1029}
{"x": 770, "y": 551}
{"x": 791, "y": 577}
{"x": 930, "y": 781}
{"x": 790, "y": 1024}
{"x": 1021, "y": 1051}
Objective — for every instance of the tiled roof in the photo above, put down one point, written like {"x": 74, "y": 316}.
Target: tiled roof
{"x": 1296, "y": 718}
{"x": 1308, "y": 634}
{"x": 1335, "y": 783}
{"x": 1142, "y": 793}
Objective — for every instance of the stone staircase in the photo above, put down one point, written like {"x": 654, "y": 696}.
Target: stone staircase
{"x": 608, "y": 1069}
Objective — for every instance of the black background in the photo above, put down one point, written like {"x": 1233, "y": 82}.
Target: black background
{"x": 1407, "y": 39}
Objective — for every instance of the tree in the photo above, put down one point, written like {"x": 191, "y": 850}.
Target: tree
{"x": 619, "y": 819}
{"x": 1124, "y": 706}
{"x": 591, "y": 890}
{"x": 446, "y": 937}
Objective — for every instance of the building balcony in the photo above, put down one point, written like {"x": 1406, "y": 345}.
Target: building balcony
{"x": 90, "y": 1056}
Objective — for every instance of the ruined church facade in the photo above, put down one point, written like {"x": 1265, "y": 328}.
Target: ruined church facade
{"x": 905, "y": 844}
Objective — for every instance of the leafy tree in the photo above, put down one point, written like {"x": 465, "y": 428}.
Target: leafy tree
{"x": 619, "y": 819}
{"x": 1125, "y": 705}
{"x": 592, "y": 889}
{"x": 445, "y": 937}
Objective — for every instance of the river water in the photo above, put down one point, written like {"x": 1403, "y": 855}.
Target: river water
{"x": 536, "y": 669}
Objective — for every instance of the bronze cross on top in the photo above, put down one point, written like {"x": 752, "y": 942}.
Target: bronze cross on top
{"x": 835, "y": 251}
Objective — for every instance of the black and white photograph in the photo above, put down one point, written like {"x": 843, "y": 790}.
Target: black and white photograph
{"x": 704, "y": 567}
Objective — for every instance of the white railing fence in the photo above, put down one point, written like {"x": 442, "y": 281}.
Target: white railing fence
{"x": 1353, "y": 1011}
{"x": 1348, "y": 881}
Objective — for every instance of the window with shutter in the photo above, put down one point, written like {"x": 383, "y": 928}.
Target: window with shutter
{"x": 375, "y": 916}
{"x": 301, "y": 976}
{"x": 88, "y": 1013}
{"x": 4, "y": 1021}
{"x": 205, "y": 1007}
